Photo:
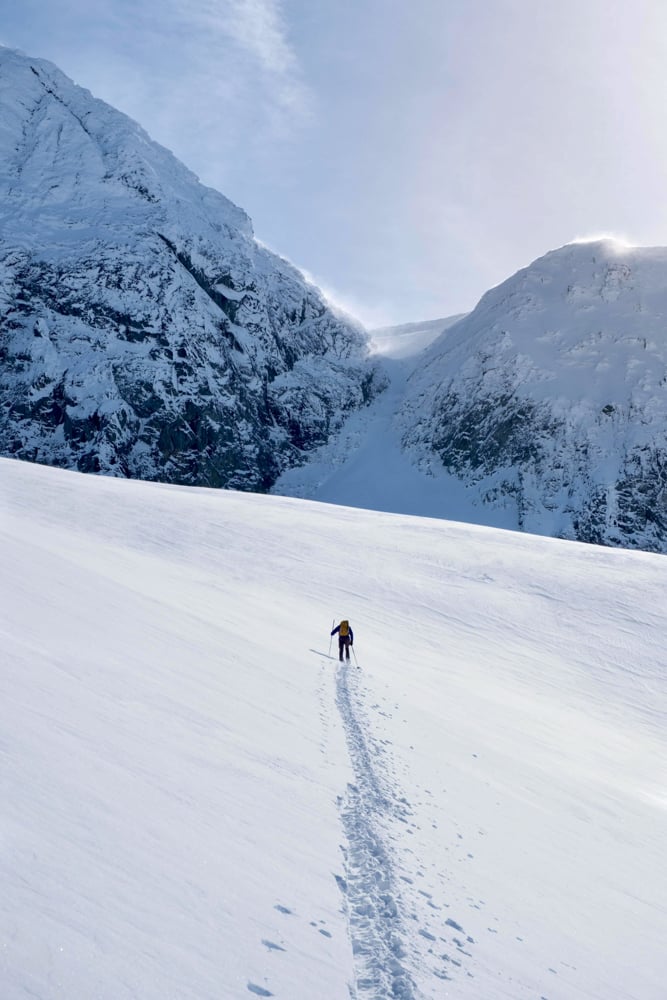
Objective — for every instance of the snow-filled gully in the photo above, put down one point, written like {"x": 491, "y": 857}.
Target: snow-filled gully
{"x": 370, "y": 887}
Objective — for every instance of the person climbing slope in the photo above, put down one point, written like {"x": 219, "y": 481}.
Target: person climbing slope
{"x": 345, "y": 638}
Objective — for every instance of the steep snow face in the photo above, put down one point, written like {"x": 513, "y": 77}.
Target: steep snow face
{"x": 550, "y": 398}
{"x": 145, "y": 332}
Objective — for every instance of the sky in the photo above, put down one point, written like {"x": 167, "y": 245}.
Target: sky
{"x": 406, "y": 156}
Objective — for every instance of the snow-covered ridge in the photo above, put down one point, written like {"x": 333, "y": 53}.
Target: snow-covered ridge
{"x": 145, "y": 332}
{"x": 198, "y": 802}
{"x": 71, "y": 146}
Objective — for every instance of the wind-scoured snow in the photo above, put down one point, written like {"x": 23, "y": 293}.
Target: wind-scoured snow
{"x": 199, "y": 802}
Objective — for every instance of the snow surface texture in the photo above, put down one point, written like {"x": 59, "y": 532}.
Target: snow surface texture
{"x": 145, "y": 333}
{"x": 545, "y": 409}
{"x": 199, "y": 803}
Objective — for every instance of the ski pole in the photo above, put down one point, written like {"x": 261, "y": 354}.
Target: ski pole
{"x": 354, "y": 654}
{"x": 331, "y": 635}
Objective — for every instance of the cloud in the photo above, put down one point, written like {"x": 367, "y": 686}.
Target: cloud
{"x": 219, "y": 82}
{"x": 257, "y": 26}
{"x": 263, "y": 57}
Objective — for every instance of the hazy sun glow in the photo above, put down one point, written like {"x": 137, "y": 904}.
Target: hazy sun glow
{"x": 620, "y": 241}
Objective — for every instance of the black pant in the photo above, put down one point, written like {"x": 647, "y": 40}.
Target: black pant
{"x": 343, "y": 644}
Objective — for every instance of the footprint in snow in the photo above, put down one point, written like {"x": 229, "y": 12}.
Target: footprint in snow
{"x": 259, "y": 991}
{"x": 272, "y": 946}
{"x": 341, "y": 883}
{"x": 283, "y": 909}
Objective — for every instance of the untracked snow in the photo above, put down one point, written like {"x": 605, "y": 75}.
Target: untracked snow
{"x": 199, "y": 803}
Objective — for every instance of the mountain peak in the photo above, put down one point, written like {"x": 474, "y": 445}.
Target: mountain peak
{"x": 549, "y": 397}
{"x": 59, "y": 144}
{"x": 148, "y": 333}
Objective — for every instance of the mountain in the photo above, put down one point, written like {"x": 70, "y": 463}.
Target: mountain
{"x": 542, "y": 410}
{"x": 550, "y": 398}
{"x": 144, "y": 332}
{"x": 197, "y": 803}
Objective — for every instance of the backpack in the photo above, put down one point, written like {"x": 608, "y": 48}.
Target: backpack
{"x": 344, "y": 628}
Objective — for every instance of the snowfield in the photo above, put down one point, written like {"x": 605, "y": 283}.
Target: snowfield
{"x": 200, "y": 804}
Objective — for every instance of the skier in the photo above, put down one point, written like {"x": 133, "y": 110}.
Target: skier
{"x": 345, "y": 638}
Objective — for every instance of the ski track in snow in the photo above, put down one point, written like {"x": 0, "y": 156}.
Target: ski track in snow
{"x": 373, "y": 899}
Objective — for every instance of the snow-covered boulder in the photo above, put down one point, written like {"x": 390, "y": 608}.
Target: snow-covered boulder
{"x": 144, "y": 332}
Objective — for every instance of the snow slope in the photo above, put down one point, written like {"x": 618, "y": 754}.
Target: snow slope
{"x": 199, "y": 803}
{"x": 365, "y": 465}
